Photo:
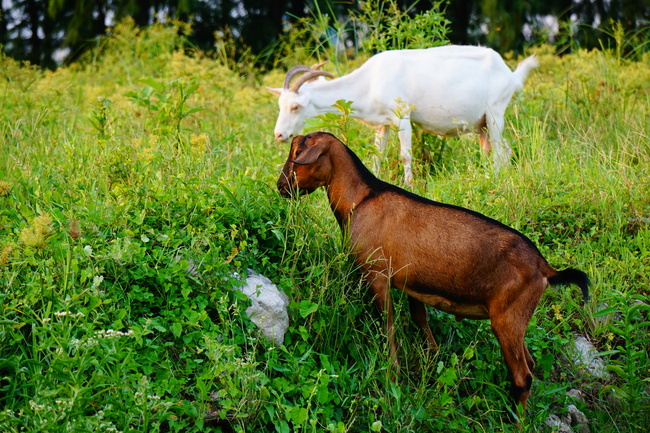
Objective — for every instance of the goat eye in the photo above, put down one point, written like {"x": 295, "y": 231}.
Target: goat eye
{"x": 294, "y": 108}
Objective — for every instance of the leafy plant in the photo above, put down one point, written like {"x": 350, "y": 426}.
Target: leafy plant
{"x": 167, "y": 100}
{"x": 99, "y": 118}
{"x": 391, "y": 28}
{"x": 628, "y": 357}
{"x": 338, "y": 123}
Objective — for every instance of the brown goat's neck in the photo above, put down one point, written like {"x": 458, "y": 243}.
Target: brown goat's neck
{"x": 347, "y": 188}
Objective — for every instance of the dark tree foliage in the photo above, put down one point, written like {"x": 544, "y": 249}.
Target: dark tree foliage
{"x": 264, "y": 21}
{"x": 28, "y": 32}
{"x": 41, "y": 31}
{"x": 592, "y": 20}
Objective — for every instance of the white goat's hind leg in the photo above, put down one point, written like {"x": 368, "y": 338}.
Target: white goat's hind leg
{"x": 381, "y": 138}
{"x": 484, "y": 137}
{"x": 405, "y": 135}
{"x": 502, "y": 151}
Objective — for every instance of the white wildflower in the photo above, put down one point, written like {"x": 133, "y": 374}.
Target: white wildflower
{"x": 66, "y": 313}
{"x": 111, "y": 333}
{"x": 35, "y": 406}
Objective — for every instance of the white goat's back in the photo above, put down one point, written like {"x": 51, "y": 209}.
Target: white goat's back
{"x": 450, "y": 88}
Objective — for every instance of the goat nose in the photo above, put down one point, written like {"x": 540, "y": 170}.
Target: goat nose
{"x": 283, "y": 188}
{"x": 279, "y": 136}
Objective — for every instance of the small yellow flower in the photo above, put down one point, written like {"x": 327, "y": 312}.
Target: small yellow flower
{"x": 147, "y": 154}
{"x": 36, "y": 235}
{"x": 610, "y": 338}
{"x": 403, "y": 108}
{"x": 43, "y": 224}
{"x": 4, "y": 255}
{"x": 154, "y": 139}
{"x": 199, "y": 142}
{"x": 5, "y": 187}
{"x": 556, "y": 308}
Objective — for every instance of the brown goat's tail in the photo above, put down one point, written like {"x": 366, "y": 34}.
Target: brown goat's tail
{"x": 572, "y": 276}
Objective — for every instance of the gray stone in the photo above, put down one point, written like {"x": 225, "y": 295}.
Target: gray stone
{"x": 268, "y": 309}
{"x": 558, "y": 425}
{"x": 578, "y": 419}
{"x": 586, "y": 356}
{"x": 575, "y": 394}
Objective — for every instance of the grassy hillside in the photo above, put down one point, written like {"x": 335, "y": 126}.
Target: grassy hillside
{"x": 133, "y": 185}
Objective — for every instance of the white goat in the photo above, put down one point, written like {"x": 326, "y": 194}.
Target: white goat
{"x": 446, "y": 90}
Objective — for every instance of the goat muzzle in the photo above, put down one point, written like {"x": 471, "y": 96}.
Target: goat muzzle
{"x": 285, "y": 188}
{"x": 279, "y": 136}
{"x": 288, "y": 186}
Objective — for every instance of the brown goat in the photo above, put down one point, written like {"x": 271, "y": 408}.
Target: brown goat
{"x": 451, "y": 258}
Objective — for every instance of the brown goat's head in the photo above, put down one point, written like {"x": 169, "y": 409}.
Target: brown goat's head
{"x": 307, "y": 166}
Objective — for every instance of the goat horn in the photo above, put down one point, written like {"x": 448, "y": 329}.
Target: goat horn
{"x": 307, "y": 77}
{"x": 318, "y": 65}
{"x": 292, "y": 72}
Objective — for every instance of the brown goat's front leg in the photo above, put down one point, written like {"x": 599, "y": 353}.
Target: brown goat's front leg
{"x": 529, "y": 359}
{"x": 419, "y": 316}
{"x": 510, "y": 334}
{"x": 380, "y": 288}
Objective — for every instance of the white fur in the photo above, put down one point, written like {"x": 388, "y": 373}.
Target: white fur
{"x": 445, "y": 90}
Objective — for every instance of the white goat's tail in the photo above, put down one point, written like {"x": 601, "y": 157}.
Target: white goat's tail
{"x": 524, "y": 68}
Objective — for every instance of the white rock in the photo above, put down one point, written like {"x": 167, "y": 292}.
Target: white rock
{"x": 559, "y": 426}
{"x": 585, "y": 355}
{"x": 575, "y": 394}
{"x": 578, "y": 419}
{"x": 268, "y": 308}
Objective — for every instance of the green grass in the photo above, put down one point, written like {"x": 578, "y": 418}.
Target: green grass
{"x": 119, "y": 175}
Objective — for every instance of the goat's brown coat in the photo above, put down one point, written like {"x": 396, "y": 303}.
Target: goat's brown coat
{"x": 451, "y": 258}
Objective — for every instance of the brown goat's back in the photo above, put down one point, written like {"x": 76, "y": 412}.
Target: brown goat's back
{"x": 430, "y": 248}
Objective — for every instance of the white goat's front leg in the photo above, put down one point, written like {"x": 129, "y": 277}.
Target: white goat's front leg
{"x": 381, "y": 138}
{"x": 502, "y": 154}
{"x": 404, "y": 134}
{"x": 502, "y": 150}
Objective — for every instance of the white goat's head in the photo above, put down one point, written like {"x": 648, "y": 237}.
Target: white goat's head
{"x": 295, "y": 107}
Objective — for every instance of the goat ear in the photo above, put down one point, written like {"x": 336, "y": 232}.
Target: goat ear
{"x": 311, "y": 154}
{"x": 275, "y": 90}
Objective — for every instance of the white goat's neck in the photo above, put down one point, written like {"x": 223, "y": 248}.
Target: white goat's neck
{"x": 324, "y": 94}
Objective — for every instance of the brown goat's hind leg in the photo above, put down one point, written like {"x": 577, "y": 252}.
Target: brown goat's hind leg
{"x": 419, "y": 316}
{"x": 510, "y": 334}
